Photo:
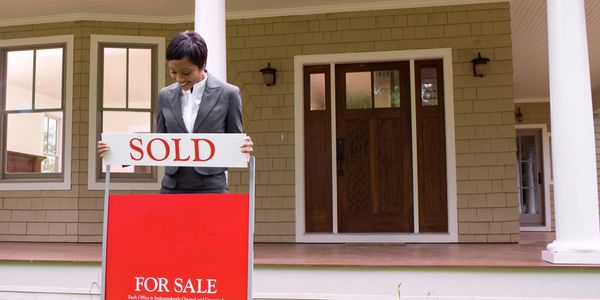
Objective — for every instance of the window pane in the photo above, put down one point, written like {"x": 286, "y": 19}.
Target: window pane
{"x": 387, "y": 88}
{"x": 140, "y": 78}
{"x": 526, "y": 155}
{"x": 429, "y": 88}
{"x": 115, "y": 77}
{"x": 120, "y": 121}
{"x": 19, "y": 79}
{"x": 317, "y": 92}
{"x": 28, "y": 155}
{"x": 48, "y": 78}
{"x": 358, "y": 90}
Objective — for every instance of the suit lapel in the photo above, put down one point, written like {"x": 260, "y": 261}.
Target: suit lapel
{"x": 175, "y": 103}
{"x": 212, "y": 93}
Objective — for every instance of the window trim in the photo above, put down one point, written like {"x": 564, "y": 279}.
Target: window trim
{"x": 96, "y": 41}
{"x": 12, "y": 184}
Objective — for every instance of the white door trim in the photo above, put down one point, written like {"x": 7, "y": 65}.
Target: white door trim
{"x": 332, "y": 59}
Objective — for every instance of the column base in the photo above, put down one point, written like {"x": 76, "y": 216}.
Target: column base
{"x": 571, "y": 257}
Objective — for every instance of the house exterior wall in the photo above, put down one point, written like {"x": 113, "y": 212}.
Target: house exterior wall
{"x": 73, "y": 215}
{"x": 535, "y": 113}
{"x": 484, "y": 114}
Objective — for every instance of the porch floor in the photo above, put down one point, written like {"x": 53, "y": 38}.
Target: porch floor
{"x": 526, "y": 254}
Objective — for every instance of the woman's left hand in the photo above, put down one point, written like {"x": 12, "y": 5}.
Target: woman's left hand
{"x": 247, "y": 145}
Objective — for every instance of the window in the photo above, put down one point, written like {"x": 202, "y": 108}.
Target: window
{"x": 51, "y": 145}
{"x": 124, "y": 84}
{"x": 126, "y": 96}
{"x": 35, "y": 112}
{"x": 374, "y": 85}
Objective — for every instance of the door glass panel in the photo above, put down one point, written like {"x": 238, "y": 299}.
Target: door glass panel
{"x": 140, "y": 73}
{"x": 48, "y": 78}
{"x": 115, "y": 77}
{"x": 358, "y": 90}
{"x": 528, "y": 174}
{"x": 387, "y": 88}
{"x": 429, "y": 87}
{"x": 19, "y": 79}
{"x": 317, "y": 91}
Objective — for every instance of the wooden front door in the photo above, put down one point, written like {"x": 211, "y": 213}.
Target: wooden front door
{"x": 373, "y": 147}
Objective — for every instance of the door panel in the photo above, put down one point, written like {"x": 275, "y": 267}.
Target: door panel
{"x": 374, "y": 148}
{"x": 317, "y": 149}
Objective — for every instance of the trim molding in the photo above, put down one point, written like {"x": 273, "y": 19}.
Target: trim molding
{"x": 96, "y": 17}
{"x": 349, "y": 7}
{"x": 532, "y": 100}
{"x": 242, "y": 14}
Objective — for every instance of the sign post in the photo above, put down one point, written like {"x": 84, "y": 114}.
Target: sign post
{"x": 159, "y": 247}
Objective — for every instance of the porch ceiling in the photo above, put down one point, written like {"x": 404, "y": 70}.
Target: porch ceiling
{"x": 530, "y": 47}
{"x": 530, "y": 51}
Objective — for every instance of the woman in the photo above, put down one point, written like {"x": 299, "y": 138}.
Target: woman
{"x": 196, "y": 103}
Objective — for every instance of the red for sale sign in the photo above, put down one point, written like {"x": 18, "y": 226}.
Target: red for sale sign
{"x": 185, "y": 247}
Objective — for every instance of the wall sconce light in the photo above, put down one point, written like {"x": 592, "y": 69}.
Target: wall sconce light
{"x": 519, "y": 115}
{"x": 269, "y": 75}
{"x": 479, "y": 65}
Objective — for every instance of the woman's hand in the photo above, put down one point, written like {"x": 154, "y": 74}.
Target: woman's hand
{"x": 102, "y": 147}
{"x": 247, "y": 145}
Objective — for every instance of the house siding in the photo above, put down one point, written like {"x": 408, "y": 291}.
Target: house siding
{"x": 484, "y": 114}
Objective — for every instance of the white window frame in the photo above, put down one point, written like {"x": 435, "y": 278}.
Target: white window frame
{"x": 368, "y": 57}
{"x": 95, "y": 41}
{"x": 65, "y": 184}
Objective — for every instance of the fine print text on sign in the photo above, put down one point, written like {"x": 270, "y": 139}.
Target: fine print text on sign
{"x": 167, "y": 149}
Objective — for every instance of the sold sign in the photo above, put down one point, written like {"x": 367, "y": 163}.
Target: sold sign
{"x": 167, "y": 149}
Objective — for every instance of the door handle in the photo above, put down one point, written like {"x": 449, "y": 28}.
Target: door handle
{"x": 540, "y": 177}
{"x": 339, "y": 151}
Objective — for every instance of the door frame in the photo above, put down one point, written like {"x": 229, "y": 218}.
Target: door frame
{"x": 366, "y": 57}
{"x": 547, "y": 176}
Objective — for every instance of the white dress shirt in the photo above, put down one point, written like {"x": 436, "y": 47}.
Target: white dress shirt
{"x": 190, "y": 102}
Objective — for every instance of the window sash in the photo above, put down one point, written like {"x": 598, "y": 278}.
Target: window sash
{"x": 4, "y": 114}
{"x": 100, "y": 109}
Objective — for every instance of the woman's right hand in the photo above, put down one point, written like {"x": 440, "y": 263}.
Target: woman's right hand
{"x": 102, "y": 147}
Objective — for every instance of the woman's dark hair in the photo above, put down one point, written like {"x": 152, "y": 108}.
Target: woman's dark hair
{"x": 190, "y": 44}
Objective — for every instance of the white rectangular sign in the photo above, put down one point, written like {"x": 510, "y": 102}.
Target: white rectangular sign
{"x": 175, "y": 149}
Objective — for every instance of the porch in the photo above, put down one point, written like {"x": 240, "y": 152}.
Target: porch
{"x": 333, "y": 271}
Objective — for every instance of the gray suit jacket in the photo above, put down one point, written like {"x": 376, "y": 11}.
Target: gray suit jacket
{"x": 220, "y": 112}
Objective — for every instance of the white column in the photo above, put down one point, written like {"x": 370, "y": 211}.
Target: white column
{"x": 209, "y": 22}
{"x": 573, "y": 145}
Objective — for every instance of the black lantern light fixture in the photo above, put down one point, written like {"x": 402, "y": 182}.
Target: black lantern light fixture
{"x": 519, "y": 115}
{"x": 269, "y": 75}
{"x": 479, "y": 65}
